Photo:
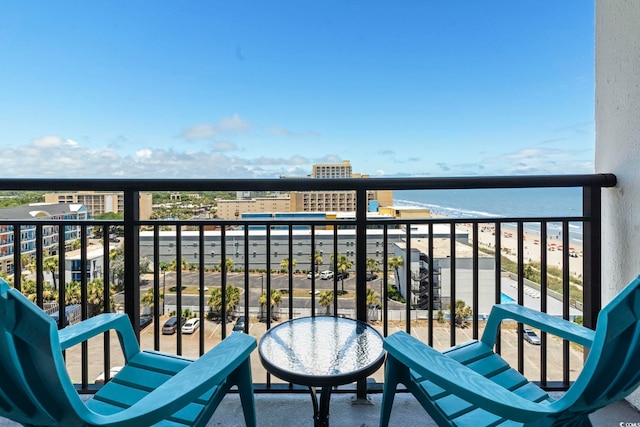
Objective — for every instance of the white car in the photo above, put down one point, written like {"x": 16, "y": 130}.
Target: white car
{"x": 190, "y": 326}
{"x": 326, "y": 275}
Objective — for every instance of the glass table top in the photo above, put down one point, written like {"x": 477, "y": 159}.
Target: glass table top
{"x": 321, "y": 346}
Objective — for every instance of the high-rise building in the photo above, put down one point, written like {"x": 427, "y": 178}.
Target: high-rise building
{"x": 336, "y": 201}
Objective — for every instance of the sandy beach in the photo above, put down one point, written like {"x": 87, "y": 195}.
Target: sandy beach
{"x": 533, "y": 247}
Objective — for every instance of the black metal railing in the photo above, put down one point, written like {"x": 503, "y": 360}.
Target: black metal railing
{"x": 209, "y": 243}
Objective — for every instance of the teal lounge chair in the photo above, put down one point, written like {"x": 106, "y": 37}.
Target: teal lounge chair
{"x": 152, "y": 388}
{"x": 471, "y": 385}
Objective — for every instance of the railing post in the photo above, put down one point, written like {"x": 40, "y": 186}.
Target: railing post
{"x": 131, "y": 258}
{"x": 361, "y": 271}
{"x": 592, "y": 253}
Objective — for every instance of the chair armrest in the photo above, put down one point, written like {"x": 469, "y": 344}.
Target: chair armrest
{"x": 463, "y": 382}
{"x": 543, "y": 321}
{"x": 209, "y": 370}
{"x": 80, "y": 332}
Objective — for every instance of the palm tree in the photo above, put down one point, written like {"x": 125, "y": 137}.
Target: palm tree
{"x": 232, "y": 296}
{"x": 373, "y": 302}
{"x": 29, "y": 290}
{"x": 316, "y": 259}
{"x": 372, "y": 265}
{"x": 372, "y": 298}
{"x": 228, "y": 264}
{"x": 95, "y": 297}
{"x": 51, "y": 265}
{"x": 463, "y": 312}
{"x": 343, "y": 264}
{"x": 285, "y": 264}
{"x": 275, "y": 300}
{"x": 72, "y": 293}
{"x": 173, "y": 265}
{"x": 147, "y": 299}
{"x": 325, "y": 299}
{"x": 395, "y": 263}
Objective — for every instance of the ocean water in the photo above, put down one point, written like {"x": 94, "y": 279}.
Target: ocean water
{"x": 502, "y": 203}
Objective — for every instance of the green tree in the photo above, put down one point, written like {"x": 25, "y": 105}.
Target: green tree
{"x": 95, "y": 297}
{"x": 343, "y": 264}
{"x": 232, "y": 296}
{"x": 50, "y": 264}
{"x": 325, "y": 299}
{"x": 286, "y": 265}
{"x": 274, "y": 301}
{"x": 373, "y": 298}
{"x": 72, "y": 293}
{"x": 316, "y": 260}
{"x": 372, "y": 265}
{"x": 147, "y": 299}
{"x": 173, "y": 265}
{"x": 463, "y": 312}
{"x": 29, "y": 289}
{"x": 395, "y": 263}
{"x": 228, "y": 264}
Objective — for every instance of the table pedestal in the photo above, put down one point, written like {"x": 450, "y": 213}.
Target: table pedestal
{"x": 321, "y": 410}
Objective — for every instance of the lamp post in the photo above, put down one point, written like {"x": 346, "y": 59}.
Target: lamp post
{"x": 261, "y": 284}
{"x": 164, "y": 287}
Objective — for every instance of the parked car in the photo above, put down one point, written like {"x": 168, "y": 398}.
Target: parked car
{"x": 239, "y": 325}
{"x": 112, "y": 372}
{"x": 326, "y": 275}
{"x": 310, "y": 275}
{"x": 371, "y": 276}
{"x": 531, "y": 336}
{"x": 191, "y": 326}
{"x": 171, "y": 326}
{"x": 340, "y": 275}
{"x": 145, "y": 321}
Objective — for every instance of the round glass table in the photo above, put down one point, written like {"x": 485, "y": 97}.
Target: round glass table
{"x": 321, "y": 351}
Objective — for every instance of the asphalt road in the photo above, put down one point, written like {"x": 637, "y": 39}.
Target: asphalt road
{"x": 257, "y": 285}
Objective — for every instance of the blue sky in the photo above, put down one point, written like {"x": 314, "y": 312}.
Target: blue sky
{"x": 227, "y": 89}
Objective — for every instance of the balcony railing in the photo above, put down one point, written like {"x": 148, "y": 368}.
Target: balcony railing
{"x": 257, "y": 248}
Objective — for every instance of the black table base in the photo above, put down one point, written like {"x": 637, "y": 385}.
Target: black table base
{"x": 321, "y": 410}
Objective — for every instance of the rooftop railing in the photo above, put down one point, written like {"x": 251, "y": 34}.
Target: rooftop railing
{"x": 451, "y": 264}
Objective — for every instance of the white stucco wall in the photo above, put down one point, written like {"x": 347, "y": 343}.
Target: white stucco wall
{"x": 617, "y": 115}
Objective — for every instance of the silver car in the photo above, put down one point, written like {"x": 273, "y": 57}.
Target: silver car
{"x": 531, "y": 336}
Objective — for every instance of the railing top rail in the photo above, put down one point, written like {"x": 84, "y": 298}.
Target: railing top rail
{"x": 308, "y": 184}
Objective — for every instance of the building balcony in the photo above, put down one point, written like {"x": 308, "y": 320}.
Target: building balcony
{"x": 207, "y": 245}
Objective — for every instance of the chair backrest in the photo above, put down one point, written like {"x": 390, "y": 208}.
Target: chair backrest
{"x": 34, "y": 385}
{"x": 612, "y": 369}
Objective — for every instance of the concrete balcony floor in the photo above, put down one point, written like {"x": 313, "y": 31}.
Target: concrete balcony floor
{"x": 276, "y": 410}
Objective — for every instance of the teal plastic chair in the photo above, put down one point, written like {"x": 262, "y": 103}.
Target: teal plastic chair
{"x": 151, "y": 389}
{"x": 471, "y": 385}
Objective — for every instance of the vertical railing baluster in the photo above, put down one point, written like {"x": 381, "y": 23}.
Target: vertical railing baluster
{"x": 201, "y": 288}
{"x": 131, "y": 258}
{"x": 432, "y": 286}
{"x": 592, "y": 252}
{"x": 543, "y": 300}
{"x": 452, "y": 305}
{"x": 566, "y": 291}
{"x": 476, "y": 281}
{"x": 408, "y": 281}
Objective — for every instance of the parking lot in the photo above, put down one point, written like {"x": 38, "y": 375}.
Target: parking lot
{"x": 212, "y": 332}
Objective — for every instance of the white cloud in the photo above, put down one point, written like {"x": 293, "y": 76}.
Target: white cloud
{"x": 226, "y": 126}
{"x": 144, "y": 154}
{"x": 52, "y": 142}
{"x": 57, "y": 157}
{"x": 224, "y": 146}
